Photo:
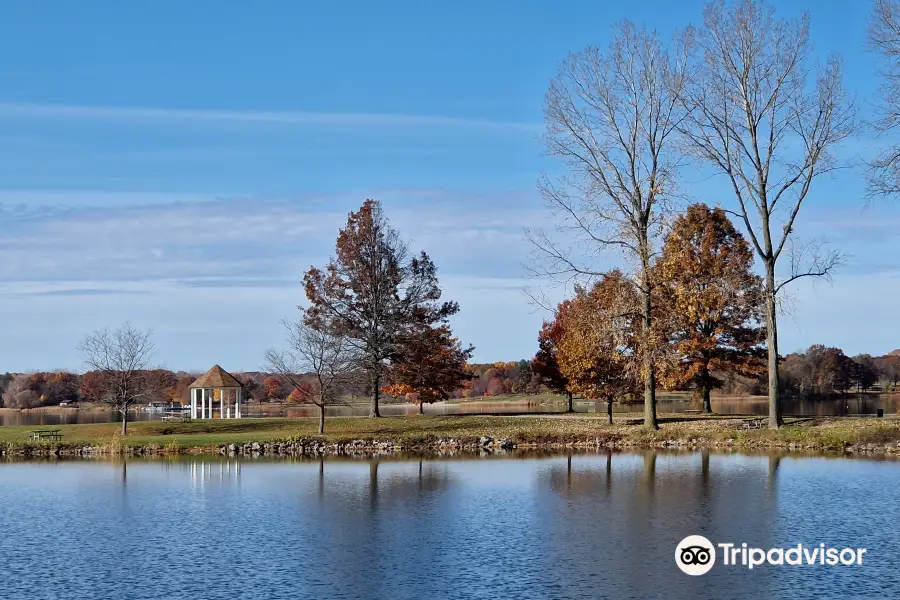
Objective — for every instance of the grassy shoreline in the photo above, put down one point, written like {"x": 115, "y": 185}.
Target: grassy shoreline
{"x": 438, "y": 433}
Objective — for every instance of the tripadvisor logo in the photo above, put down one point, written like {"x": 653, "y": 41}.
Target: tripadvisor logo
{"x": 696, "y": 555}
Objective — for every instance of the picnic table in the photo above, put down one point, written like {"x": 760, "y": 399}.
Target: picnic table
{"x": 756, "y": 423}
{"x": 40, "y": 435}
{"x": 177, "y": 416}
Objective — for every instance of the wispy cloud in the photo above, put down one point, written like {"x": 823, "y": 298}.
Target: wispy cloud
{"x": 240, "y": 282}
{"x": 187, "y": 320}
{"x": 298, "y": 118}
{"x": 204, "y": 241}
{"x": 78, "y": 292}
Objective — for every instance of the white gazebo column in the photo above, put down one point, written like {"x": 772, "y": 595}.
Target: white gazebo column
{"x": 222, "y": 403}
{"x": 205, "y": 403}
{"x": 227, "y": 408}
{"x": 193, "y": 404}
{"x": 237, "y": 403}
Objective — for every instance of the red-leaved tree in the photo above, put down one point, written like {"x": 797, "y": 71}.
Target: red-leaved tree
{"x": 374, "y": 293}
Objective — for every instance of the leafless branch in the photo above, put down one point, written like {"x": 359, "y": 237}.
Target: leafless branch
{"x": 610, "y": 114}
{"x": 811, "y": 259}
{"x": 884, "y": 38}
{"x": 320, "y": 363}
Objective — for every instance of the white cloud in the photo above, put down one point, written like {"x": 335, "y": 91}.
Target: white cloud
{"x": 185, "y": 266}
{"x": 242, "y": 237}
{"x": 296, "y": 118}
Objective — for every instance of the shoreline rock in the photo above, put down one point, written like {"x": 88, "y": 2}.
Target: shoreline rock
{"x": 481, "y": 445}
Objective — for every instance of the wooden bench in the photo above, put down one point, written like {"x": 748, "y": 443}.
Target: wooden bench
{"x": 692, "y": 411}
{"x": 46, "y": 435}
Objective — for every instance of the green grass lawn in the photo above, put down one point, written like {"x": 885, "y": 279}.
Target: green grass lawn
{"x": 825, "y": 433}
{"x": 206, "y": 433}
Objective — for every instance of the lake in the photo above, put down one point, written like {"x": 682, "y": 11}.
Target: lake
{"x": 583, "y": 526}
{"x": 865, "y": 404}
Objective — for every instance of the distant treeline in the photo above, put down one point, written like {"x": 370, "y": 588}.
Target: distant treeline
{"x": 31, "y": 390}
{"x": 819, "y": 371}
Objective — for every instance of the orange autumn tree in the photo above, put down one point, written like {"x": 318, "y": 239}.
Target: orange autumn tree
{"x": 597, "y": 352}
{"x": 712, "y": 300}
{"x": 180, "y": 391}
{"x": 299, "y": 393}
{"x": 62, "y": 387}
{"x": 430, "y": 365}
{"x": 273, "y": 387}
{"x": 545, "y": 363}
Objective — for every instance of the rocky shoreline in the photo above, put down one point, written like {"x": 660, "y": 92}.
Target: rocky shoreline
{"x": 484, "y": 445}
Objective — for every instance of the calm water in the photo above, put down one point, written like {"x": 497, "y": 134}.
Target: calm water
{"x": 867, "y": 404}
{"x": 588, "y": 526}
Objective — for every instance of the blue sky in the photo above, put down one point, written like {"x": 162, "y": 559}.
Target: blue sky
{"x": 181, "y": 164}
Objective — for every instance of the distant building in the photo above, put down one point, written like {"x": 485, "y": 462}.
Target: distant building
{"x": 216, "y": 382}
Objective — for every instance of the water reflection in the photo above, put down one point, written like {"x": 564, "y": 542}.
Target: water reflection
{"x": 639, "y": 506}
{"x": 221, "y": 471}
{"x": 585, "y": 525}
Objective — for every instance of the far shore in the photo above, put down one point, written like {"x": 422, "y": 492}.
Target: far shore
{"x": 57, "y": 409}
{"x": 358, "y": 436}
{"x": 537, "y": 400}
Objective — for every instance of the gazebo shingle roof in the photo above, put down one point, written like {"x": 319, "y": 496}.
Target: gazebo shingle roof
{"x": 217, "y": 377}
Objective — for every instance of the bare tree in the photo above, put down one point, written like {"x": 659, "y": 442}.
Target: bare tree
{"x": 122, "y": 357}
{"x": 320, "y": 364}
{"x": 610, "y": 117}
{"x": 884, "y": 38}
{"x": 20, "y": 395}
{"x": 756, "y": 117}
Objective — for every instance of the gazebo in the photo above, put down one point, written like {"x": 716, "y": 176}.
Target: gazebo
{"x": 203, "y": 395}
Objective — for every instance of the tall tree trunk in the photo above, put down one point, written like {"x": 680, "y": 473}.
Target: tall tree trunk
{"x": 125, "y": 421}
{"x": 376, "y": 393}
{"x": 421, "y": 408}
{"x": 321, "y": 419}
{"x": 571, "y": 406}
{"x": 704, "y": 382}
{"x": 609, "y": 409}
{"x": 772, "y": 347}
{"x": 647, "y": 322}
